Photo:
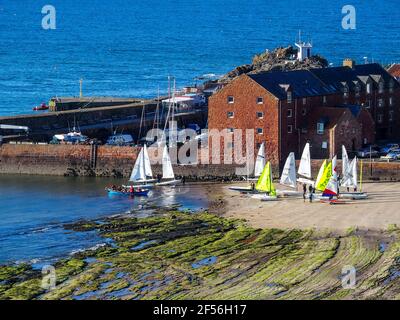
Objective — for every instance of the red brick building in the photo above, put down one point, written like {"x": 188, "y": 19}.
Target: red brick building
{"x": 287, "y": 109}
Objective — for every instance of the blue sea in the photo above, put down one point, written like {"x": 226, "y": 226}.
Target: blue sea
{"x": 128, "y": 48}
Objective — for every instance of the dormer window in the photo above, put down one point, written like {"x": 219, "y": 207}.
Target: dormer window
{"x": 391, "y": 86}
{"x": 346, "y": 91}
{"x": 289, "y": 97}
{"x": 260, "y": 100}
{"x": 369, "y": 88}
{"x": 357, "y": 90}
{"x": 381, "y": 87}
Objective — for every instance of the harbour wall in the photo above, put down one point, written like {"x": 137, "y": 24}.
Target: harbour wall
{"x": 108, "y": 161}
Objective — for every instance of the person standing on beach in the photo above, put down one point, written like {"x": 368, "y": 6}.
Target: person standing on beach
{"x": 304, "y": 191}
{"x": 310, "y": 190}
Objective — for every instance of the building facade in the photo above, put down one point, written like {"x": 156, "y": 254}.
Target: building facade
{"x": 353, "y": 105}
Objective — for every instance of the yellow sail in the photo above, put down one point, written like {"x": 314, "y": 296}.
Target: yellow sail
{"x": 323, "y": 182}
{"x": 265, "y": 183}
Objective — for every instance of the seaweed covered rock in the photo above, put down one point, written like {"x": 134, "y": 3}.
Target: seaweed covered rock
{"x": 279, "y": 59}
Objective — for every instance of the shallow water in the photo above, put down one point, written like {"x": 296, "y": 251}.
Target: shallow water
{"x": 33, "y": 209}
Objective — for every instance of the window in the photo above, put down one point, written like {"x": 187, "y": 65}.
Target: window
{"x": 290, "y": 129}
{"x": 391, "y": 115}
{"x": 289, "y": 96}
{"x": 357, "y": 90}
{"x": 324, "y": 145}
{"x": 260, "y": 131}
{"x": 369, "y": 88}
{"x": 346, "y": 92}
{"x": 304, "y": 111}
{"x": 230, "y": 114}
{"x": 304, "y": 101}
{"x": 380, "y": 118}
{"x": 260, "y": 100}
{"x": 381, "y": 87}
{"x": 380, "y": 103}
{"x": 231, "y": 99}
{"x": 391, "y": 101}
{"x": 231, "y": 130}
{"x": 289, "y": 113}
{"x": 368, "y": 103}
{"x": 320, "y": 128}
{"x": 324, "y": 99}
{"x": 260, "y": 115}
{"x": 391, "y": 86}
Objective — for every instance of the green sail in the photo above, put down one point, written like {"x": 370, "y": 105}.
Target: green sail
{"x": 265, "y": 183}
{"x": 321, "y": 185}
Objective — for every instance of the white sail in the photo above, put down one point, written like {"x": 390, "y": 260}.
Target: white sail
{"x": 147, "y": 165}
{"x": 138, "y": 172}
{"x": 331, "y": 189}
{"x": 345, "y": 161}
{"x": 305, "y": 163}
{"x": 351, "y": 176}
{"x": 260, "y": 161}
{"x": 334, "y": 167}
{"x": 168, "y": 172}
{"x": 288, "y": 177}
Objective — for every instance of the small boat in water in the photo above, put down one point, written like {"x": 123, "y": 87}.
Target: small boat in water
{"x": 42, "y": 107}
{"x": 142, "y": 175}
{"x": 136, "y": 193}
{"x": 168, "y": 177}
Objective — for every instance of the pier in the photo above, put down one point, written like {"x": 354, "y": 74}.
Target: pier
{"x": 100, "y": 120}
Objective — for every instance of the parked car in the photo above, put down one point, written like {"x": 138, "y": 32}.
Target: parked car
{"x": 120, "y": 140}
{"x": 389, "y": 147}
{"x": 368, "y": 152}
{"x": 391, "y": 156}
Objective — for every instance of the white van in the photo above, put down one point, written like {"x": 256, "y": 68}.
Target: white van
{"x": 120, "y": 140}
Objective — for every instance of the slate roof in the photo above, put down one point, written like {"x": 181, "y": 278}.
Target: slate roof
{"x": 302, "y": 82}
{"x": 320, "y": 82}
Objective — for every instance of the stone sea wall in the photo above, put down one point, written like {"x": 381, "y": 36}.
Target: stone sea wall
{"x": 68, "y": 160}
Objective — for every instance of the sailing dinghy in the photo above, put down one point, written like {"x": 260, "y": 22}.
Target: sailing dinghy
{"x": 288, "y": 177}
{"x": 305, "y": 167}
{"x": 168, "y": 178}
{"x": 350, "y": 180}
{"x": 260, "y": 163}
{"x": 258, "y": 170}
{"x": 142, "y": 175}
{"x": 266, "y": 185}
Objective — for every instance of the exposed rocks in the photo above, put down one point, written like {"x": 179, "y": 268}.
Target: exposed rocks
{"x": 279, "y": 59}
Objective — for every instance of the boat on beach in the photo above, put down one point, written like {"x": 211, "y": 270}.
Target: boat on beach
{"x": 265, "y": 186}
{"x": 288, "y": 178}
{"x": 305, "y": 175}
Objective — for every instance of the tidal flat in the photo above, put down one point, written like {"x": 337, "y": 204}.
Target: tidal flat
{"x": 181, "y": 255}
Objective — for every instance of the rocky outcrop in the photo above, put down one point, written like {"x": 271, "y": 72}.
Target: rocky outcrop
{"x": 280, "y": 59}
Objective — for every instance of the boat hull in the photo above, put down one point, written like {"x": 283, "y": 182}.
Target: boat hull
{"x": 242, "y": 189}
{"x": 264, "y": 197}
{"x": 168, "y": 183}
{"x": 289, "y": 193}
{"x": 142, "y": 193}
{"x": 354, "y": 195}
{"x": 140, "y": 186}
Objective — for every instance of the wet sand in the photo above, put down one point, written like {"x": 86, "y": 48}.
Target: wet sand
{"x": 381, "y": 210}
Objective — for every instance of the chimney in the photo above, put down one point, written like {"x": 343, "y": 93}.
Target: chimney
{"x": 349, "y": 63}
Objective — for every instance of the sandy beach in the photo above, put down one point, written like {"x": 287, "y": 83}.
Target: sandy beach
{"x": 376, "y": 213}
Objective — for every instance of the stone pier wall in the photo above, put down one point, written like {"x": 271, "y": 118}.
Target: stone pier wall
{"x": 69, "y": 160}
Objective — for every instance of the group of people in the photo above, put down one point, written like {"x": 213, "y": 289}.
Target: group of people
{"x": 123, "y": 189}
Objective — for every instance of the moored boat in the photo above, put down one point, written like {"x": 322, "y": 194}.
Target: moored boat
{"x": 137, "y": 193}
